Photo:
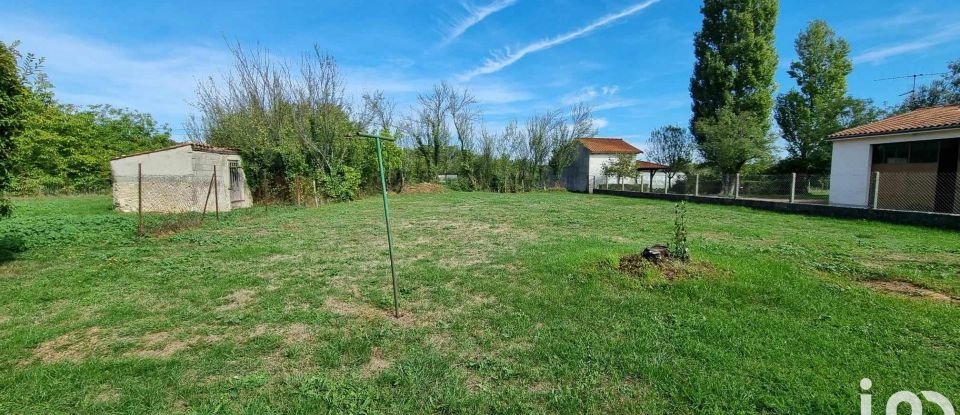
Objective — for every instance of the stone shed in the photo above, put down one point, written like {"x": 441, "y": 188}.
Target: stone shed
{"x": 178, "y": 179}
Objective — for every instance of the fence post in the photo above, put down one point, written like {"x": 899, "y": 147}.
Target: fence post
{"x": 876, "y": 189}
{"x": 592, "y": 181}
{"x": 140, "y": 198}
{"x": 793, "y": 187}
{"x": 206, "y": 201}
{"x": 316, "y": 197}
{"x": 216, "y": 192}
{"x": 264, "y": 190}
{"x": 696, "y": 186}
{"x": 666, "y": 183}
{"x": 736, "y": 187}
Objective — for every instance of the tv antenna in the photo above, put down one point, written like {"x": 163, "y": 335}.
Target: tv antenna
{"x": 913, "y": 91}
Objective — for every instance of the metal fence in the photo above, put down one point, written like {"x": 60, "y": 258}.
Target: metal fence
{"x": 790, "y": 187}
{"x": 166, "y": 203}
{"x": 910, "y": 191}
{"x": 915, "y": 191}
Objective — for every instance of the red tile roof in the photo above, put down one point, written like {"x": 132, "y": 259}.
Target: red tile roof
{"x": 649, "y": 165}
{"x": 193, "y": 146}
{"x": 608, "y": 146}
{"x": 924, "y": 119}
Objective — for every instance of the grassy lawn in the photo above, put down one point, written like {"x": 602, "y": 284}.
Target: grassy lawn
{"x": 512, "y": 304}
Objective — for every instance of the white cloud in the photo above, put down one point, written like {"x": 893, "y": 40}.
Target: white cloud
{"x": 599, "y": 123}
{"x": 508, "y": 57}
{"x": 477, "y": 14}
{"x": 589, "y": 94}
{"x": 877, "y": 55}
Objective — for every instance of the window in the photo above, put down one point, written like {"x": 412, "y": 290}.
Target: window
{"x": 903, "y": 153}
{"x": 924, "y": 151}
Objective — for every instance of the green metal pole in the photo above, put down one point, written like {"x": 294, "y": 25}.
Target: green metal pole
{"x": 386, "y": 218}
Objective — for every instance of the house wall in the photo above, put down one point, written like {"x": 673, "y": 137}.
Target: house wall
{"x": 167, "y": 180}
{"x": 576, "y": 176}
{"x": 850, "y": 172}
{"x": 175, "y": 180}
{"x": 203, "y": 163}
{"x": 597, "y": 162}
{"x": 586, "y": 167}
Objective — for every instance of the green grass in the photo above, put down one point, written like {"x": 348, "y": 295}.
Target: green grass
{"x": 511, "y": 304}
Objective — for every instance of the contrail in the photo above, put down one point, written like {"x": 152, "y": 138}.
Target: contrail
{"x": 509, "y": 58}
{"x": 476, "y": 16}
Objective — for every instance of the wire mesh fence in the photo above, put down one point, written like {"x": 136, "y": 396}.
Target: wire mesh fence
{"x": 916, "y": 191}
{"x": 167, "y": 203}
{"x": 908, "y": 191}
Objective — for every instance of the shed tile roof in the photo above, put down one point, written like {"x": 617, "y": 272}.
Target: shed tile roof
{"x": 934, "y": 118}
{"x": 193, "y": 146}
{"x": 649, "y": 165}
{"x": 598, "y": 145}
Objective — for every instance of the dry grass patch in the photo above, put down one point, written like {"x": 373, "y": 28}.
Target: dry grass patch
{"x": 423, "y": 188}
{"x": 377, "y": 363}
{"x": 909, "y": 289}
{"x": 163, "y": 344}
{"x": 238, "y": 299}
{"x": 107, "y": 394}
{"x": 71, "y": 347}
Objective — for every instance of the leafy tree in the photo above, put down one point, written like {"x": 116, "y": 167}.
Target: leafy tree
{"x": 808, "y": 115}
{"x": 671, "y": 146}
{"x": 622, "y": 166}
{"x": 857, "y": 112}
{"x": 731, "y": 140}
{"x": 12, "y": 92}
{"x": 736, "y": 61}
{"x": 942, "y": 91}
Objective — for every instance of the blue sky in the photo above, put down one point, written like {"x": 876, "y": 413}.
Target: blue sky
{"x": 630, "y": 59}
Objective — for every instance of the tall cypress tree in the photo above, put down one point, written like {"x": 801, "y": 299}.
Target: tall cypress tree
{"x": 736, "y": 60}
{"x": 808, "y": 115}
{"x": 11, "y": 119}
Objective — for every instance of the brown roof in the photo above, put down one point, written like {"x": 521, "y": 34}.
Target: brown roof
{"x": 193, "y": 146}
{"x": 608, "y": 145}
{"x": 649, "y": 165}
{"x": 935, "y": 118}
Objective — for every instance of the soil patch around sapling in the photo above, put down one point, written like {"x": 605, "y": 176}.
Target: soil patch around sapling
{"x": 635, "y": 265}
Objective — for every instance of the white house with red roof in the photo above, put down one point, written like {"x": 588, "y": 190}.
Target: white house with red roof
{"x": 915, "y": 155}
{"x": 593, "y": 153}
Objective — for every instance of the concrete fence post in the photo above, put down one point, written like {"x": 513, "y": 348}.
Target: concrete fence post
{"x": 592, "y": 181}
{"x": 696, "y": 186}
{"x": 876, "y": 190}
{"x": 216, "y": 193}
{"x": 140, "y": 198}
{"x": 793, "y": 187}
{"x": 736, "y": 187}
{"x": 666, "y": 183}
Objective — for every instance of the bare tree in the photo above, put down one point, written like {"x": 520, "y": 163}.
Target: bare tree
{"x": 671, "y": 146}
{"x": 378, "y": 112}
{"x": 464, "y": 114}
{"x": 563, "y": 145}
{"x": 429, "y": 128}
{"x": 541, "y": 129}
{"x": 322, "y": 115}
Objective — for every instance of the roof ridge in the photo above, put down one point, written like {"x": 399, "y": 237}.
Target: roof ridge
{"x": 922, "y": 119}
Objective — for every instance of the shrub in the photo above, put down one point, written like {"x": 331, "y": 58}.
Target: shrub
{"x": 343, "y": 183}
